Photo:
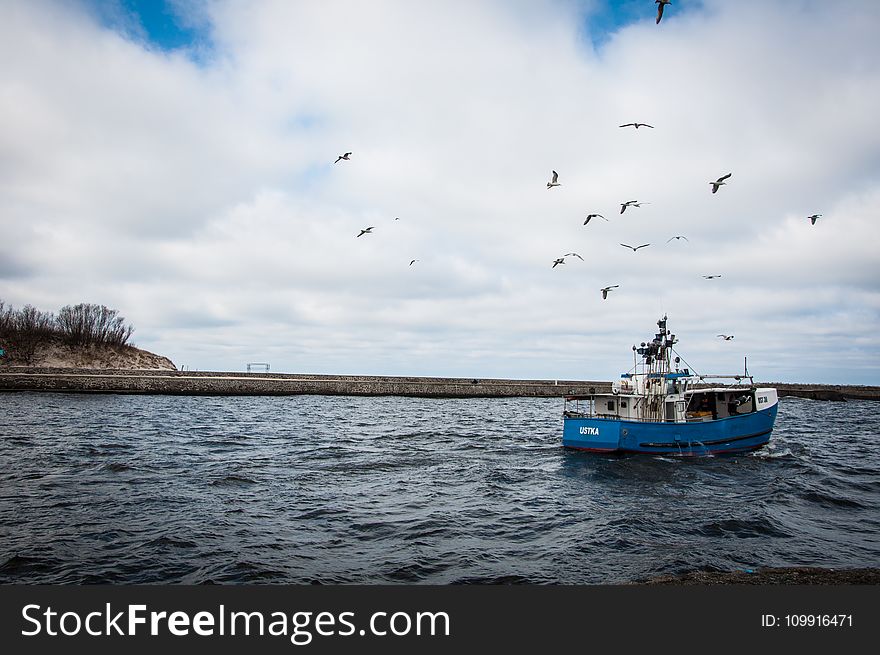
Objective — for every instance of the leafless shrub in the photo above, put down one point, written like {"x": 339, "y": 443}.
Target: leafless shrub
{"x": 85, "y": 324}
{"x": 23, "y": 330}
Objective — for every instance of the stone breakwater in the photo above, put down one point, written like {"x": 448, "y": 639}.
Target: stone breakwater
{"x": 204, "y": 383}
{"x": 207, "y": 383}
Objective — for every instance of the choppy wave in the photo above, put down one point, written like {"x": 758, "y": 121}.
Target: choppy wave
{"x": 145, "y": 489}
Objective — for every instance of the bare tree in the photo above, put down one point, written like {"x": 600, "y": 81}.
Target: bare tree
{"x": 6, "y": 318}
{"x": 23, "y": 330}
{"x": 87, "y": 324}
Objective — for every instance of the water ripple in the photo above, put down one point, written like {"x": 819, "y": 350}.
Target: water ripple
{"x": 311, "y": 489}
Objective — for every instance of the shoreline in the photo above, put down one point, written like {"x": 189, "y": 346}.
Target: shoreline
{"x": 794, "y": 575}
{"x": 226, "y": 383}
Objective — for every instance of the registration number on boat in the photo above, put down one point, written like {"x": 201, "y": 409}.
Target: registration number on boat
{"x": 594, "y": 432}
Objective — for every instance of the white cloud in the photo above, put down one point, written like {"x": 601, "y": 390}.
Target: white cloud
{"x": 202, "y": 201}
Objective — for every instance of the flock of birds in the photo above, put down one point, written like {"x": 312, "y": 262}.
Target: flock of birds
{"x": 716, "y": 184}
{"x": 554, "y": 182}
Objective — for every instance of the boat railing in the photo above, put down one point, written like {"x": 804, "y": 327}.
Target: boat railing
{"x": 589, "y": 411}
{"x": 585, "y": 407}
{"x": 704, "y": 380}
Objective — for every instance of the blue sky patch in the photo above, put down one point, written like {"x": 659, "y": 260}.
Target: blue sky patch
{"x": 609, "y": 16}
{"x": 606, "y": 18}
{"x": 165, "y": 25}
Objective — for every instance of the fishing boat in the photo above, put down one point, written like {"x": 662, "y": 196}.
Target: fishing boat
{"x": 660, "y": 407}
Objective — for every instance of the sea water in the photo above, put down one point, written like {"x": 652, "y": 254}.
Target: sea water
{"x": 320, "y": 489}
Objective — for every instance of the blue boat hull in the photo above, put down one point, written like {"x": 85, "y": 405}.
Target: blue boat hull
{"x": 727, "y": 435}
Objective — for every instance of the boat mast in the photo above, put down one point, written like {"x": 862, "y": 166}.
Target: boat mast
{"x": 656, "y": 365}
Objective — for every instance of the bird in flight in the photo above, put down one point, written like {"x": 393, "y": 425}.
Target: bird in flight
{"x": 366, "y": 230}
{"x": 573, "y": 254}
{"x": 413, "y": 262}
{"x": 553, "y": 182}
{"x": 557, "y": 262}
{"x": 813, "y": 218}
{"x": 719, "y": 182}
{"x": 660, "y": 5}
{"x": 605, "y": 290}
{"x": 680, "y": 236}
{"x": 634, "y": 248}
{"x": 710, "y": 277}
{"x": 346, "y": 157}
{"x": 592, "y": 216}
{"x": 637, "y": 125}
{"x": 726, "y": 337}
{"x": 630, "y": 203}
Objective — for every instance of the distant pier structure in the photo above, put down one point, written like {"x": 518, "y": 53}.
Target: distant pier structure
{"x": 229, "y": 383}
{"x": 258, "y": 365}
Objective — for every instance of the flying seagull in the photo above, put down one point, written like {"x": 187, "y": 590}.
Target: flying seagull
{"x": 637, "y": 125}
{"x": 660, "y": 4}
{"x": 366, "y": 230}
{"x": 813, "y": 218}
{"x": 726, "y": 337}
{"x": 573, "y": 254}
{"x": 605, "y": 290}
{"x": 557, "y": 262}
{"x": 592, "y": 216}
{"x": 634, "y": 248}
{"x": 680, "y": 236}
{"x": 413, "y": 262}
{"x": 346, "y": 157}
{"x": 553, "y": 182}
{"x": 710, "y": 277}
{"x": 630, "y": 203}
{"x": 719, "y": 182}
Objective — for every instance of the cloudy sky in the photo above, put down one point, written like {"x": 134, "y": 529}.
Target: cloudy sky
{"x": 175, "y": 161}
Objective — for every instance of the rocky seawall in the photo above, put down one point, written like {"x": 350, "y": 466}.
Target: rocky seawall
{"x": 279, "y": 384}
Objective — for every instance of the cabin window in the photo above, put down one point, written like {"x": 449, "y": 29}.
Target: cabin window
{"x": 610, "y": 405}
{"x": 622, "y": 404}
